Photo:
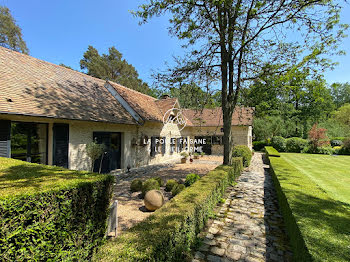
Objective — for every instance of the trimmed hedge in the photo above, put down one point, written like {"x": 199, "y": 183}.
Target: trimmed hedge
{"x": 317, "y": 225}
{"x": 191, "y": 178}
{"x": 50, "y": 213}
{"x": 170, "y": 232}
{"x": 244, "y": 152}
{"x": 270, "y": 151}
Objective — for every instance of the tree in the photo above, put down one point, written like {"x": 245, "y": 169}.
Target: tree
{"x": 94, "y": 151}
{"x": 318, "y": 137}
{"x": 340, "y": 93}
{"x": 113, "y": 67}
{"x": 61, "y": 64}
{"x": 10, "y": 32}
{"x": 192, "y": 96}
{"x": 232, "y": 40}
{"x": 342, "y": 115}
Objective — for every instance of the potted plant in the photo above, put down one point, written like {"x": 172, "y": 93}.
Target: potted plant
{"x": 195, "y": 155}
{"x": 202, "y": 154}
{"x": 184, "y": 156}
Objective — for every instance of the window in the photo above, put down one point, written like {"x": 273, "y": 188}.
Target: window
{"x": 29, "y": 142}
{"x": 217, "y": 140}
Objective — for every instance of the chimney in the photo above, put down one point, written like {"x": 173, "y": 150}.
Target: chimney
{"x": 165, "y": 96}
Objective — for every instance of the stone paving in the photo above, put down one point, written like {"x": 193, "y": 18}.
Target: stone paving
{"x": 248, "y": 226}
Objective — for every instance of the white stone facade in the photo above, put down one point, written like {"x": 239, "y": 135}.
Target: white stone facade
{"x": 133, "y": 152}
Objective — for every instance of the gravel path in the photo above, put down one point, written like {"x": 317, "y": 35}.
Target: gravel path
{"x": 131, "y": 208}
{"x": 249, "y": 226}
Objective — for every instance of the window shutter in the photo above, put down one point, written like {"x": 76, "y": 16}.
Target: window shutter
{"x": 153, "y": 146}
{"x": 163, "y": 146}
{"x": 5, "y": 138}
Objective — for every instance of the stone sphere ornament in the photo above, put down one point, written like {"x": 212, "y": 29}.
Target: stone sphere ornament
{"x": 153, "y": 200}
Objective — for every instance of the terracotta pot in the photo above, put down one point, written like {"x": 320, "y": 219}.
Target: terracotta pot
{"x": 196, "y": 157}
{"x": 183, "y": 160}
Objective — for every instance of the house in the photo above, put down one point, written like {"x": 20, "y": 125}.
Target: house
{"x": 49, "y": 113}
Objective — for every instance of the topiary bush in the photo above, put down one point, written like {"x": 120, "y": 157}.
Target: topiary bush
{"x": 170, "y": 184}
{"x": 191, "y": 178}
{"x": 148, "y": 185}
{"x": 244, "y": 152}
{"x": 50, "y": 213}
{"x": 296, "y": 144}
{"x": 160, "y": 180}
{"x": 278, "y": 143}
{"x": 136, "y": 185}
{"x": 177, "y": 189}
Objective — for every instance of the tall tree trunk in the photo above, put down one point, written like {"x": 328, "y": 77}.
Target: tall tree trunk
{"x": 227, "y": 139}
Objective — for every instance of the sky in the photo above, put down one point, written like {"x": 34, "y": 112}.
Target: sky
{"x": 61, "y": 31}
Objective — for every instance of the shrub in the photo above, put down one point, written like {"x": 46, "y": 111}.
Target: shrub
{"x": 148, "y": 185}
{"x": 177, "y": 189}
{"x": 244, "y": 152}
{"x": 191, "y": 178}
{"x": 170, "y": 184}
{"x": 345, "y": 150}
{"x": 327, "y": 150}
{"x": 295, "y": 144}
{"x": 336, "y": 143}
{"x": 259, "y": 145}
{"x": 184, "y": 154}
{"x": 136, "y": 185}
{"x": 318, "y": 137}
{"x": 270, "y": 151}
{"x": 341, "y": 138}
{"x": 50, "y": 213}
{"x": 160, "y": 180}
{"x": 279, "y": 143}
{"x": 337, "y": 149}
{"x": 170, "y": 232}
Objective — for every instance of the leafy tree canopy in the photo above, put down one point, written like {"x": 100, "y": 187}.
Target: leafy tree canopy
{"x": 192, "y": 96}
{"x": 340, "y": 93}
{"x": 113, "y": 67}
{"x": 232, "y": 41}
{"x": 10, "y": 32}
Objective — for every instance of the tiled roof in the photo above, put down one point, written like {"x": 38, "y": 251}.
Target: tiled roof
{"x": 29, "y": 86}
{"x": 165, "y": 104}
{"x": 242, "y": 116}
{"x": 143, "y": 104}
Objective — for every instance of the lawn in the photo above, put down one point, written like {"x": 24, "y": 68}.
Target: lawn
{"x": 331, "y": 173}
{"x": 313, "y": 196}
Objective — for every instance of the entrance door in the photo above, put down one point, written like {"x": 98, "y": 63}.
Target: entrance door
{"x": 111, "y": 157}
{"x": 60, "y": 144}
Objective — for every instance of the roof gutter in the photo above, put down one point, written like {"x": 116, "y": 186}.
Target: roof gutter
{"x": 124, "y": 103}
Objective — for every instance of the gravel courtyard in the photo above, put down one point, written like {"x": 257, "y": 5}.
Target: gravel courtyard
{"x": 131, "y": 209}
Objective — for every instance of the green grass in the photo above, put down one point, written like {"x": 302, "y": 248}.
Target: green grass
{"x": 19, "y": 177}
{"x": 331, "y": 173}
{"x": 318, "y": 224}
